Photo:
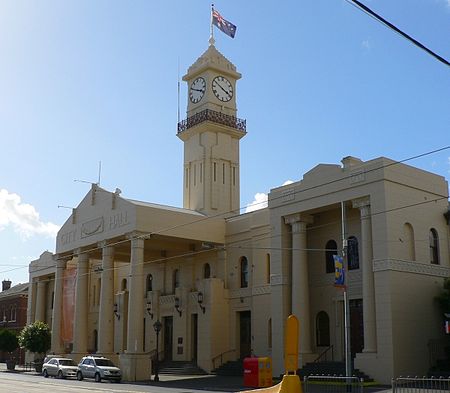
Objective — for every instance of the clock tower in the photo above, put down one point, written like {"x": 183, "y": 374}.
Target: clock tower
{"x": 211, "y": 134}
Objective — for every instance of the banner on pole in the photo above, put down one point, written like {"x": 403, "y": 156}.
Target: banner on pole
{"x": 339, "y": 274}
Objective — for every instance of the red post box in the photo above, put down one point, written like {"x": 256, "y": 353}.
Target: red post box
{"x": 251, "y": 372}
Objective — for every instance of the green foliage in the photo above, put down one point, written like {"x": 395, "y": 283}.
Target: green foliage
{"x": 35, "y": 337}
{"x": 444, "y": 297}
{"x": 8, "y": 341}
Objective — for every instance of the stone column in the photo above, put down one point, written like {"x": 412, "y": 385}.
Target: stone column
{"x": 369, "y": 317}
{"x": 106, "y": 311}
{"x": 300, "y": 282}
{"x": 81, "y": 304}
{"x": 40, "y": 301}
{"x": 136, "y": 297}
{"x": 57, "y": 346}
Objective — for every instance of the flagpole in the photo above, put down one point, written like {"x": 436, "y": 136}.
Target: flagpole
{"x": 211, "y": 37}
{"x": 348, "y": 365}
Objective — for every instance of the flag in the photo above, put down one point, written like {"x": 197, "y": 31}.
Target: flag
{"x": 227, "y": 27}
{"x": 339, "y": 277}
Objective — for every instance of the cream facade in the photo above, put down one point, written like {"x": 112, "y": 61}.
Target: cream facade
{"x": 223, "y": 283}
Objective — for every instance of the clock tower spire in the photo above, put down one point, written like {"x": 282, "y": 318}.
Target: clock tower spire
{"x": 211, "y": 134}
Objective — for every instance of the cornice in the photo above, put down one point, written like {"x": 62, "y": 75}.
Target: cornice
{"x": 399, "y": 265}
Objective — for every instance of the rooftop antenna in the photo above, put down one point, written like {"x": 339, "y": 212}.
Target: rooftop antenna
{"x": 178, "y": 89}
{"x": 91, "y": 182}
{"x": 99, "y": 172}
{"x": 64, "y": 207}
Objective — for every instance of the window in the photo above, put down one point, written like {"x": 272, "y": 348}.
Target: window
{"x": 176, "y": 279}
{"x": 434, "y": 246}
{"x": 201, "y": 172}
{"x": 223, "y": 173}
{"x": 206, "y": 270}
{"x": 352, "y": 253}
{"x": 13, "y": 313}
{"x": 330, "y": 251}
{"x": 409, "y": 242}
{"x": 244, "y": 272}
{"x": 149, "y": 285}
{"x": 53, "y": 298}
{"x": 186, "y": 177}
{"x": 215, "y": 171}
{"x": 195, "y": 175}
{"x": 124, "y": 284}
{"x": 234, "y": 176}
{"x": 268, "y": 268}
{"x": 323, "y": 329}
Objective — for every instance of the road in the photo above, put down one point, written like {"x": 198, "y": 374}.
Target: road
{"x": 33, "y": 383}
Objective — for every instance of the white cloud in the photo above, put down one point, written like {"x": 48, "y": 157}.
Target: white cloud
{"x": 366, "y": 44}
{"x": 261, "y": 198}
{"x": 22, "y": 217}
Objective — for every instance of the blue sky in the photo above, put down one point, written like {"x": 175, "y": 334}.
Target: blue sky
{"x": 85, "y": 81}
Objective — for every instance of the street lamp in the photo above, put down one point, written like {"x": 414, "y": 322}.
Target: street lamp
{"x": 157, "y": 326}
{"x": 200, "y": 301}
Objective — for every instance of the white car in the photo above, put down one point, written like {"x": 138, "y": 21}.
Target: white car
{"x": 98, "y": 367}
{"x": 60, "y": 368}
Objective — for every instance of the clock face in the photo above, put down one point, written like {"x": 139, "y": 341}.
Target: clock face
{"x": 197, "y": 90}
{"x": 222, "y": 88}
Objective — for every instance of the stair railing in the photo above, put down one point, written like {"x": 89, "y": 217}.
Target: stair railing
{"x": 218, "y": 360}
{"x": 324, "y": 355}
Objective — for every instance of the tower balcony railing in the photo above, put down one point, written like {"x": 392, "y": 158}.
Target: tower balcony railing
{"x": 215, "y": 117}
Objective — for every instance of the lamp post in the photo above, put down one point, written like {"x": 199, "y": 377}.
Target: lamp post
{"x": 157, "y": 326}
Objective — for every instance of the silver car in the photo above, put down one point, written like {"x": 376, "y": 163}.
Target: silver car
{"x": 98, "y": 367}
{"x": 59, "y": 368}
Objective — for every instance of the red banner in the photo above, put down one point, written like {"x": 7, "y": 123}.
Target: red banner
{"x": 68, "y": 308}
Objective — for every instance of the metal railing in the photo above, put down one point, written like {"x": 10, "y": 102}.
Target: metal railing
{"x": 222, "y": 358}
{"x": 323, "y": 357}
{"x": 333, "y": 384}
{"x": 215, "y": 117}
{"x": 420, "y": 385}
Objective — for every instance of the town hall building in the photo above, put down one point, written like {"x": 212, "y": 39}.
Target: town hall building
{"x": 223, "y": 283}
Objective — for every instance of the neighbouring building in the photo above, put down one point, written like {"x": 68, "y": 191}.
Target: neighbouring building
{"x": 13, "y": 314}
{"x": 223, "y": 283}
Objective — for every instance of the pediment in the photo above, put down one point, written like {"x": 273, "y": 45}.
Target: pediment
{"x": 322, "y": 171}
{"x": 100, "y": 215}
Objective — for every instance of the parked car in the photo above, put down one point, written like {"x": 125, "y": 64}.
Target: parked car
{"x": 59, "y": 368}
{"x": 98, "y": 367}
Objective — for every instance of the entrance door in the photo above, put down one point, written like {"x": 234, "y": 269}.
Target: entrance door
{"x": 356, "y": 326}
{"x": 194, "y": 337}
{"x": 245, "y": 334}
{"x": 168, "y": 337}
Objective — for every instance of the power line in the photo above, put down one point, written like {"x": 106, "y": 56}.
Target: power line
{"x": 383, "y": 21}
{"x": 161, "y": 231}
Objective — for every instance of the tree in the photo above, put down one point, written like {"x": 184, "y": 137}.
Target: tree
{"x": 36, "y": 338}
{"x": 8, "y": 341}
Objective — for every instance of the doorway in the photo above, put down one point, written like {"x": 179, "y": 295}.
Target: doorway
{"x": 194, "y": 326}
{"x": 356, "y": 326}
{"x": 245, "y": 334}
{"x": 168, "y": 338}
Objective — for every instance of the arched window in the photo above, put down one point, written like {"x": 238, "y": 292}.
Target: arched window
{"x": 322, "y": 329}
{"x": 149, "y": 283}
{"x": 123, "y": 286}
{"x": 244, "y": 272}
{"x": 268, "y": 268}
{"x": 13, "y": 313}
{"x": 352, "y": 253}
{"x": 176, "y": 279}
{"x": 269, "y": 333}
{"x": 331, "y": 250}
{"x": 408, "y": 241}
{"x": 206, "y": 270}
{"x": 434, "y": 246}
